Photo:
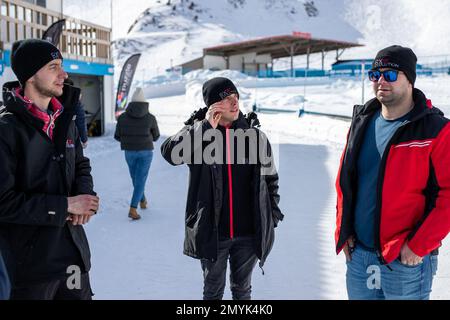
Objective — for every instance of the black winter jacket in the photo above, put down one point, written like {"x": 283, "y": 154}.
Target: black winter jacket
{"x": 206, "y": 194}
{"x": 136, "y": 128}
{"x": 37, "y": 175}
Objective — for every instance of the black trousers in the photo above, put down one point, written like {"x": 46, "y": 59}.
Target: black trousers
{"x": 54, "y": 290}
{"x": 241, "y": 253}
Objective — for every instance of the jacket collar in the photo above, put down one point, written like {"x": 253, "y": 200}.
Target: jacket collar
{"x": 68, "y": 99}
{"x": 17, "y": 104}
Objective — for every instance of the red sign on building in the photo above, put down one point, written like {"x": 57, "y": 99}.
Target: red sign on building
{"x": 303, "y": 35}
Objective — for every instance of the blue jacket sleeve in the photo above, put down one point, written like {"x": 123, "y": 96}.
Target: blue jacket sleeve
{"x": 5, "y": 285}
{"x": 80, "y": 121}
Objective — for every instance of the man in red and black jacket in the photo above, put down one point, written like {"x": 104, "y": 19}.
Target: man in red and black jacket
{"x": 232, "y": 206}
{"x": 393, "y": 186}
{"x": 46, "y": 188}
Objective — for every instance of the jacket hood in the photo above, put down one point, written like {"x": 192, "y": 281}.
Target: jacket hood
{"x": 137, "y": 109}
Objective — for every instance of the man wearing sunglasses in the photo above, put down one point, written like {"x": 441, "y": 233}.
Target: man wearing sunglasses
{"x": 393, "y": 186}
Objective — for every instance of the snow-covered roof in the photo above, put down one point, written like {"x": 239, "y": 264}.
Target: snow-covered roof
{"x": 279, "y": 46}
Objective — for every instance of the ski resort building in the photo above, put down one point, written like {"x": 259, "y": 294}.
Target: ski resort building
{"x": 255, "y": 57}
{"x": 86, "y": 48}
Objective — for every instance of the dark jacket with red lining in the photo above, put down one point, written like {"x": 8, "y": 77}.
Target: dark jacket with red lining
{"x": 37, "y": 175}
{"x": 236, "y": 219}
{"x": 204, "y": 205}
{"x": 413, "y": 193}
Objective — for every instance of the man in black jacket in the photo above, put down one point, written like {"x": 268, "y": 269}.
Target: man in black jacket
{"x": 232, "y": 206}
{"x": 46, "y": 190}
{"x": 136, "y": 130}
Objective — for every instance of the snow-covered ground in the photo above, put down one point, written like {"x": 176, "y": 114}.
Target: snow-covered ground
{"x": 144, "y": 260}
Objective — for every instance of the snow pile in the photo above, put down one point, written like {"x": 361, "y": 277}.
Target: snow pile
{"x": 204, "y": 75}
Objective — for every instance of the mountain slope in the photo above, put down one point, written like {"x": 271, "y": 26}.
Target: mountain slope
{"x": 175, "y": 32}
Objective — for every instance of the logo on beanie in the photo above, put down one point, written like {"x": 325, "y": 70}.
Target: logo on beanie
{"x": 55, "y": 55}
{"x": 385, "y": 63}
{"x": 227, "y": 92}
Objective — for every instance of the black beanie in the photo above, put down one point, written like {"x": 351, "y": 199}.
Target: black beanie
{"x": 29, "y": 56}
{"x": 399, "y": 58}
{"x": 217, "y": 89}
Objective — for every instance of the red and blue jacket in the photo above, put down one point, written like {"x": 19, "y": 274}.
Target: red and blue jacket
{"x": 413, "y": 191}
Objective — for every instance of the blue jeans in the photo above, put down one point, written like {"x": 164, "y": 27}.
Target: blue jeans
{"x": 367, "y": 279}
{"x": 5, "y": 285}
{"x": 139, "y": 164}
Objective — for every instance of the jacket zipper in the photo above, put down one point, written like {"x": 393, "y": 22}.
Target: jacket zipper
{"x": 356, "y": 146}
{"x": 230, "y": 181}
{"x": 51, "y": 124}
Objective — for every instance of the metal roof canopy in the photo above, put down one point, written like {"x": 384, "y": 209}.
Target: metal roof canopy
{"x": 299, "y": 43}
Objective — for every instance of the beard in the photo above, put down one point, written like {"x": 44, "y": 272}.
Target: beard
{"x": 392, "y": 101}
{"x": 46, "y": 90}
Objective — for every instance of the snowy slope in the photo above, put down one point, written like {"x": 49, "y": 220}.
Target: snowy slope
{"x": 168, "y": 35}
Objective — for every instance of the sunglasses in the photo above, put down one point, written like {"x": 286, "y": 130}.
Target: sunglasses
{"x": 388, "y": 75}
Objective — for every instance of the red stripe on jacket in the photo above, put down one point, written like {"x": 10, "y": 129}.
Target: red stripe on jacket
{"x": 230, "y": 180}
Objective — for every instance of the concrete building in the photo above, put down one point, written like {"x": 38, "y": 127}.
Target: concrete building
{"x": 255, "y": 57}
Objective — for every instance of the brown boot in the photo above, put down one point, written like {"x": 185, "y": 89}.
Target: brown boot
{"x": 143, "y": 204}
{"x": 133, "y": 214}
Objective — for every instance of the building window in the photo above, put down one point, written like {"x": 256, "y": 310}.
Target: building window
{"x": 20, "y": 13}
{"x": 28, "y": 15}
{"x": 41, "y": 3}
{"x": 12, "y": 10}
{"x": 4, "y": 9}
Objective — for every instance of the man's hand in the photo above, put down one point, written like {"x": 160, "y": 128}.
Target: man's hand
{"x": 79, "y": 220}
{"x": 349, "y": 247}
{"x": 408, "y": 257}
{"x": 214, "y": 114}
{"x": 83, "y": 205}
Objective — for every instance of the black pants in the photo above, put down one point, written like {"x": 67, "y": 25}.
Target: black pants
{"x": 54, "y": 290}
{"x": 241, "y": 253}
